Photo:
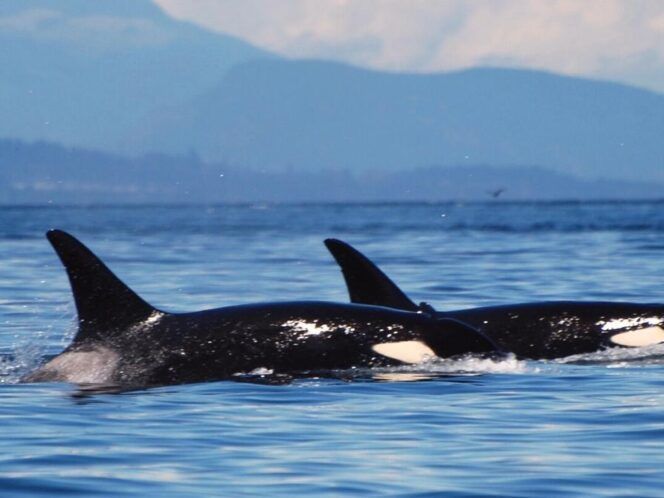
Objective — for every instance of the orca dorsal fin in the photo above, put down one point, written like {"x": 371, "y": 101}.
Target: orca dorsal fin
{"x": 104, "y": 303}
{"x": 366, "y": 283}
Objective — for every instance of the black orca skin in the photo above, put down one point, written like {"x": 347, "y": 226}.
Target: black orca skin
{"x": 124, "y": 341}
{"x": 543, "y": 330}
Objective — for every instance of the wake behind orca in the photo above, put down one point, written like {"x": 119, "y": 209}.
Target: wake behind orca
{"x": 543, "y": 330}
{"x": 124, "y": 341}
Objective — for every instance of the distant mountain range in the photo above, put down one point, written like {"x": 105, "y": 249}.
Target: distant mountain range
{"x": 85, "y": 72}
{"x": 43, "y": 173}
{"x": 123, "y": 77}
{"x": 316, "y": 115}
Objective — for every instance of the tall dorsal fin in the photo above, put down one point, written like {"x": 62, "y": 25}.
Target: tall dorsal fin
{"x": 366, "y": 283}
{"x": 104, "y": 303}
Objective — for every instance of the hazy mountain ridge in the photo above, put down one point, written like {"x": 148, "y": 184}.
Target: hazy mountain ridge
{"x": 313, "y": 115}
{"x": 84, "y": 73}
{"x": 122, "y": 76}
{"x": 43, "y": 173}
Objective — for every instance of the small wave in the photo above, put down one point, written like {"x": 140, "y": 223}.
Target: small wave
{"x": 14, "y": 366}
{"x": 477, "y": 364}
{"x": 619, "y": 357}
{"x": 26, "y": 355}
{"x": 464, "y": 366}
{"x": 563, "y": 227}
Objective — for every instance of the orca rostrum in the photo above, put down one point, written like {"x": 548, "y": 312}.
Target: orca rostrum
{"x": 538, "y": 330}
{"x": 124, "y": 341}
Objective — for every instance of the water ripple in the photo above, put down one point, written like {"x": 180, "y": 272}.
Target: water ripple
{"x": 589, "y": 425}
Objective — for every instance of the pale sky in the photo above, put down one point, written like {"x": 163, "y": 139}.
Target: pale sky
{"x": 620, "y": 40}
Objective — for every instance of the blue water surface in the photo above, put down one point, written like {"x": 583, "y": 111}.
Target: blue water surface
{"x": 580, "y": 426}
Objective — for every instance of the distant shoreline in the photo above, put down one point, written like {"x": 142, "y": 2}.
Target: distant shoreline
{"x": 259, "y": 204}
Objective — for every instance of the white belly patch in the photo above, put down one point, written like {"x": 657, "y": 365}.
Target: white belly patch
{"x": 405, "y": 351}
{"x": 639, "y": 338}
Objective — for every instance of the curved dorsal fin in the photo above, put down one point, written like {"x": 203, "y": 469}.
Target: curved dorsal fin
{"x": 366, "y": 283}
{"x": 104, "y": 303}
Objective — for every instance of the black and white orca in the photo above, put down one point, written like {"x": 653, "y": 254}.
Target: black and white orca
{"x": 543, "y": 330}
{"x": 124, "y": 341}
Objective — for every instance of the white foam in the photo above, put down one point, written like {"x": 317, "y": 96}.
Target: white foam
{"x": 618, "y": 357}
{"x": 30, "y": 345}
{"x": 465, "y": 365}
{"x": 474, "y": 364}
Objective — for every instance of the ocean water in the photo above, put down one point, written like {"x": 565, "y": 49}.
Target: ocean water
{"x": 590, "y": 425}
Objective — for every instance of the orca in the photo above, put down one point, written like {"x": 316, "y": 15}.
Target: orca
{"x": 538, "y": 330}
{"x": 124, "y": 341}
